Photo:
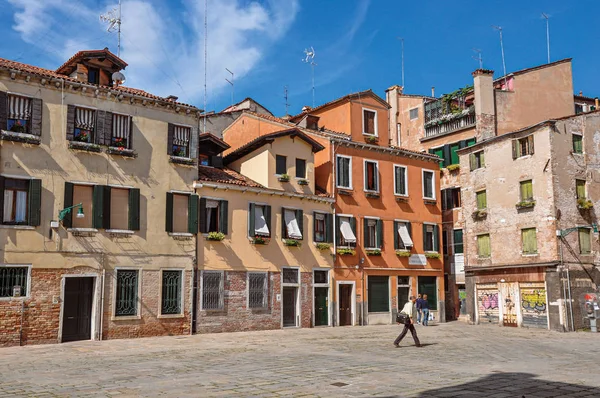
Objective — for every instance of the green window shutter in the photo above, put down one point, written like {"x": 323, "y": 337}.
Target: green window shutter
{"x": 472, "y": 161}
{"x": 471, "y": 142}
{"x": 580, "y": 189}
{"x": 481, "y": 200}
{"x": 193, "y": 214}
{"x": 169, "y": 213}
{"x": 68, "y": 202}
{"x": 223, "y": 217}
{"x": 338, "y": 233}
{"x": 98, "y": 206}
{"x": 202, "y": 210}
{"x": 396, "y": 237}
{"x": 526, "y": 190}
{"x": 353, "y": 225}
{"x": 3, "y": 112}
{"x": 483, "y": 246}
{"x": 329, "y": 228}
{"x": 251, "y": 225}
{"x": 134, "y": 209}
{"x": 170, "y": 135}
{"x": 462, "y": 144}
{"x": 380, "y": 234}
{"x": 440, "y": 152}
{"x": 458, "y": 241}
{"x": 425, "y": 237}
{"x": 284, "y": 233}
{"x": 268, "y": 220}
{"x": 447, "y": 155}
{"x": 530, "y": 141}
{"x": 585, "y": 246}
{"x": 515, "y": 149}
{"x": 454, "y": 159}
{"x": 35, "y": 202}
{"x": 365, "y": 229}
{"x": 577, "y": 143}
{"x": 436, "y": 238}
{"x": 529, "y": 238}
{"x": 482, "y": 159}
{"x": 1, "y": 185}
{"x": 300, "y": 220}
{"x": 106, "y": 192}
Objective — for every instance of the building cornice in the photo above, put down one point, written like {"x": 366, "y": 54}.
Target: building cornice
{"x": 389, "y": 150}
{"x": 261, "y": 191}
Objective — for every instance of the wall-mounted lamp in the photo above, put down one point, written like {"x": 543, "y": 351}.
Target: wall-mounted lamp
{"x": 63, "y": 213}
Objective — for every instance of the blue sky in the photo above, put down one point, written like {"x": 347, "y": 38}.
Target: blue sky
{"x": 262, "y": 42}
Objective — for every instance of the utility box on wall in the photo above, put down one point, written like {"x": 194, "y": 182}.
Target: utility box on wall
{"x": 590, "y": 309}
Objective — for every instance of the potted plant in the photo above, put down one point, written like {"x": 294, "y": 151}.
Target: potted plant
{"x": 323, "y": 246}
{"x": 374, "y": 252}
{"x": 284, "y": 178}
{"x": 303, "y": 182}
{"x": 215, "y": 236}
{"x": 260, "y": 240}
{"x": 433, "y": 255}
{"x": 584, "y": 204}
{"x": 525, "y": 204}
{"x": 346, "y": 252}
{"x": 479, "y": 214}
{"x": 453, "y": 167}
{"x": 291, "y": 242}
{"x": 402, "y": 253}
{"x": 371, "y": 139}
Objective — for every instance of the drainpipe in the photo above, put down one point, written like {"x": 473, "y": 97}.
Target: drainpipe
{"x": 102, "y": 279}
{"x": 334, "y": 234}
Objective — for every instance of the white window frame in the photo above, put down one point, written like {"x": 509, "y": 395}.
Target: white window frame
{"x": 410, "y": 111}
{"x": 222, "y": 289}
{"x": 349, "y": 171}
{"x": 378, "y": 183}
{"x": 375, "y": 121}
{"x": 376, "y": 237}
{"x": 182, "y": 294}
{"x": 28, "y": 292}
{"x": 265, "y": 292}
{"x": 138, "y": 315}
{"x": 405, "y": 180}
{"x": 423, "y": 171}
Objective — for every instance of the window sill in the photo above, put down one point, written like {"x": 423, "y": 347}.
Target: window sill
{"x": 125, "y": 318}
{"x": 120, "y": 232}
{"x": 20, "y": 137}
{"x": 429, "y": 201}
{"x": 345, "y": 191}
{"x": 128, "y": 153}
{"x": 22, "y": 227}
{"x": 171, "y": 316}
{"x": 401, "y": 198}
{"x": 181, "y": 235}
{"x": 181, "y": 160}
{"x": 530, "y": 254}
{"x": 82, "y": 231}
{"x": 4, "y": 299}
{"x": 372, "y": 194}
{"x": 84, "y": 146}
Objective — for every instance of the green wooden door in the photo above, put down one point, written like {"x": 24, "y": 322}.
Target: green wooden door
{"x": 321, "y": 305}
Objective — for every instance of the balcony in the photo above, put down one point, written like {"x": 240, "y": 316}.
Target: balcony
{"x": 450, "y": 122}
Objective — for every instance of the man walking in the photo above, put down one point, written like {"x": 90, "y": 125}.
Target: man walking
{"x": 425, "y": 310}
{"x": 419, "y": 311}
{"x": 410, "y": 310}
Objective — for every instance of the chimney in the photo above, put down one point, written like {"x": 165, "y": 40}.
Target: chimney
{"x": 596, "y": 103}
{"x": 306, "y": 108}
{"x": 485, "y": 113}
{"x": 433, "y": 91}
{"x": 173, "y": 98}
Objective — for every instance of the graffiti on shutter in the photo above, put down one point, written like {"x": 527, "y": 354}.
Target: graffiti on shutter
{"x": 487, "y": 303}
{"x": 534, "y": 308}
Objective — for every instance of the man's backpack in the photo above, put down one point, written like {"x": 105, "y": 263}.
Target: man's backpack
{"x": 402, "y": 318}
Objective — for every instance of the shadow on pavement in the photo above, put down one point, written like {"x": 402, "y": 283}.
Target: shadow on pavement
{"x": 518, "y": 385}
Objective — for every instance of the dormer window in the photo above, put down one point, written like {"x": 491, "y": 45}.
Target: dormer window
{"x": 85, "y": 121}
{"x": 94, "y": 75}
{"x": 19, "y": 114}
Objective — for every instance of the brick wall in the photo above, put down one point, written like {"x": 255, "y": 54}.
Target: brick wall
{"x": 306, "y": 300}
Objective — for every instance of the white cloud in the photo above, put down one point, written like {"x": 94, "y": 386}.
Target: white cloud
{"x": 162, "y": 43}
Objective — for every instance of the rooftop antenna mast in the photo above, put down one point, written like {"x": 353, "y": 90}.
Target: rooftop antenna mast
{"x": 230, "y": 82}
{"x": 285, "y": 96}
{"x": 499, "y": 29}
{"x": 113, "y": 17}
{"x": 205, "y": 58}
{"x": 402, "y": 41}
{"x": 478, "y": 57}
{"x": 547, "y": 18}
{"x": 310, "y": 59}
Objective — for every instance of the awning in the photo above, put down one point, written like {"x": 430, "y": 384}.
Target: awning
{"x": 291, "y": 224}
{"x": 404, "y": 235}
{"x": 85, "y": 118}
{"x": 346, "y": 231}
{"x": 19, "y": 107}
{"x": 260, "y": 223}
{"x": 121, "y": 126}
{"x": 181, "y": 135}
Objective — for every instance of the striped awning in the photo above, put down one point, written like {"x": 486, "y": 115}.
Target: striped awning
{"x": 181, "y": 135}
{"x": 121, "y": 126}
{"x": 19, "y": 107}
{"x": 85, "y": 118}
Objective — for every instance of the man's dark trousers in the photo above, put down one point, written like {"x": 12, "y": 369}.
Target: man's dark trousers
{"x": 408, "y": 327}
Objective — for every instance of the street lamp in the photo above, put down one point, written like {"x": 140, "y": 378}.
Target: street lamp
{"x": 63, "y": 213}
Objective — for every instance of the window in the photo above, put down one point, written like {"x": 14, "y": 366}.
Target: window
{"x": 320, "y": 276}
{"x": 400, "y": 181}
{"x": 481, "y": 197}
{"x": 121, "y": 131}
{"x": 19, "y": 114}
{"x": 16, "y": 201}
{"x": 577, "y": 143}
{"x": 580, "y": 189}
{"x": 346, "y": 231}
{"x": 371, "y": 176}
{"x": 428, "y": 185}
{"x": 119, "y": 208}
{"x": 321, "y": 226}
{"x": 522, "y": 147}
{"x": 585, "y": 241}
{"x": 300, "y": 168}
{"x": 94, "y": 75}
{"x": 369, "y": 122}
{"x": 427, "y": 285}
{"x": 171, "y": 303}
{"x": 373, "y": 231}
{"x": 476, "y": 160}
{"x": 414, "y": 113}
{"x": 182, "y": 213}
{"x": 578, "y": 109}
{"x": 212, "y": 290}
{"x": 83, "y": 194}
{"x": 204, "y": 160}
{"x": 344, "y": 172}
{"x": 290, "y": 275}
{"x": 484, "y": 249}
{"x": 258, "y": 293}
{"x": 259, "y": 220}
{"x": 430, "y": 238}
{"x": 280, "y": 164}
{"x": 526, "y": 191}
{"x": 213, "y": 215}
{"x": 379, "y": 293}
{"x": 292, "y": 227}
{"x": 529, "y": 239}
{"x": 13, "y": 281}
{"x": 402, "y": 235}
{"x": 457, "y": 241}
{"x": 85, "y": 123}
{"x": 126, "y": 303}
{"x": 180, "y": 141}
{"x": 450, "y": 198}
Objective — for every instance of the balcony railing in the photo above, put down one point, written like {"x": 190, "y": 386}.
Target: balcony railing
{"x": 450, "y": 122}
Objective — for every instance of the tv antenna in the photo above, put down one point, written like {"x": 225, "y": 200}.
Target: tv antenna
{"x": 205, "y": 59}
{"x": 285, "y": 96}
{"x": 310, "y": 59}
{"x": 402, "y": 41}
{"x": 547, "y": 18}
{"x": 113, "y": 18}
{"x": 478, "y": 57}
{"x": 499, "y": 29}
{"x": 231, "y": 83}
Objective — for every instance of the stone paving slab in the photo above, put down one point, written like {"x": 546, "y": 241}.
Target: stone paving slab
{"x": 458, "y": 360}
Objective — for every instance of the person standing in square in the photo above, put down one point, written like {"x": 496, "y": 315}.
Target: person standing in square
{"x": 425, "y": 310}
{"x": 419, "y": 311}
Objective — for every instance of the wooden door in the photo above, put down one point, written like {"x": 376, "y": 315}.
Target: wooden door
{"x": 321, "y": 304}
{"x": 289, "y": 306}
{"x": 77, "y": 309}
{"x": 345, "y": 300}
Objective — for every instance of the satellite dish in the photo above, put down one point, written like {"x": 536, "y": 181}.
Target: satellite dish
{"x": 118, "y": 78}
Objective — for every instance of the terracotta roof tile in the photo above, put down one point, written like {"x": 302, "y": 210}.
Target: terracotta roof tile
{"x": 90, "y": 53}
{"x": 225, "y": 176}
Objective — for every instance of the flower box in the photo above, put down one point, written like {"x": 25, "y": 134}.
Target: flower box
{"x": 430, "y": 201}
{"x": 182, "y": 160}
{"x": 433, "y": 255}
{"x": 215, "y": 236}
{"x": 402, "y": 199}
{"x": 323, "y": 246}
{"x": 130, "y": 153}
{"x": 302, "y": 182}
{"x": 370, "y": 139}
{"x": 292, "y": 242}
{"x": 453, "y": 167}
{"x": 526, "y": 204}
{"x": 84, "y": 146}
{"x": 284, "y": 178}
{"x": 345, "y": 192}
{"x": 20, "y": 137}
{"x": 260, "y": 240}
{"x": 372, "y": 195}
{"x": 403, "y": 253}
{"x": 346, "y": 252}
{"x": 584, "y": 204}
{"x": 479, "y": 214}
{"x": 375, "y": 252}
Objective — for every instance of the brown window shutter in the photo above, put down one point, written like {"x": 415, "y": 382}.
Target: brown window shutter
{"x": 70, "y": 122}
{"x": 108, "y": 128}
{"x": 36, "y": 116}
{"x": 170, "y": 134}
{"x": 515, "y": 149}
{"x": 530, "y": 139}
{"x": 99, "y": 130}
{"x": 3, "y": 111}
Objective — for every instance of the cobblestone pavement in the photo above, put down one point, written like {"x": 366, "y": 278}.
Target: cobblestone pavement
{"x": 457, "y": 360}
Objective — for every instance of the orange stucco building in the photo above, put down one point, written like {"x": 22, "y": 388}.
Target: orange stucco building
{"x": 387, "y": 235}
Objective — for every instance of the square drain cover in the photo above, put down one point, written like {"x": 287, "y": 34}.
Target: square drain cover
{"x": 339, "y": 384}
